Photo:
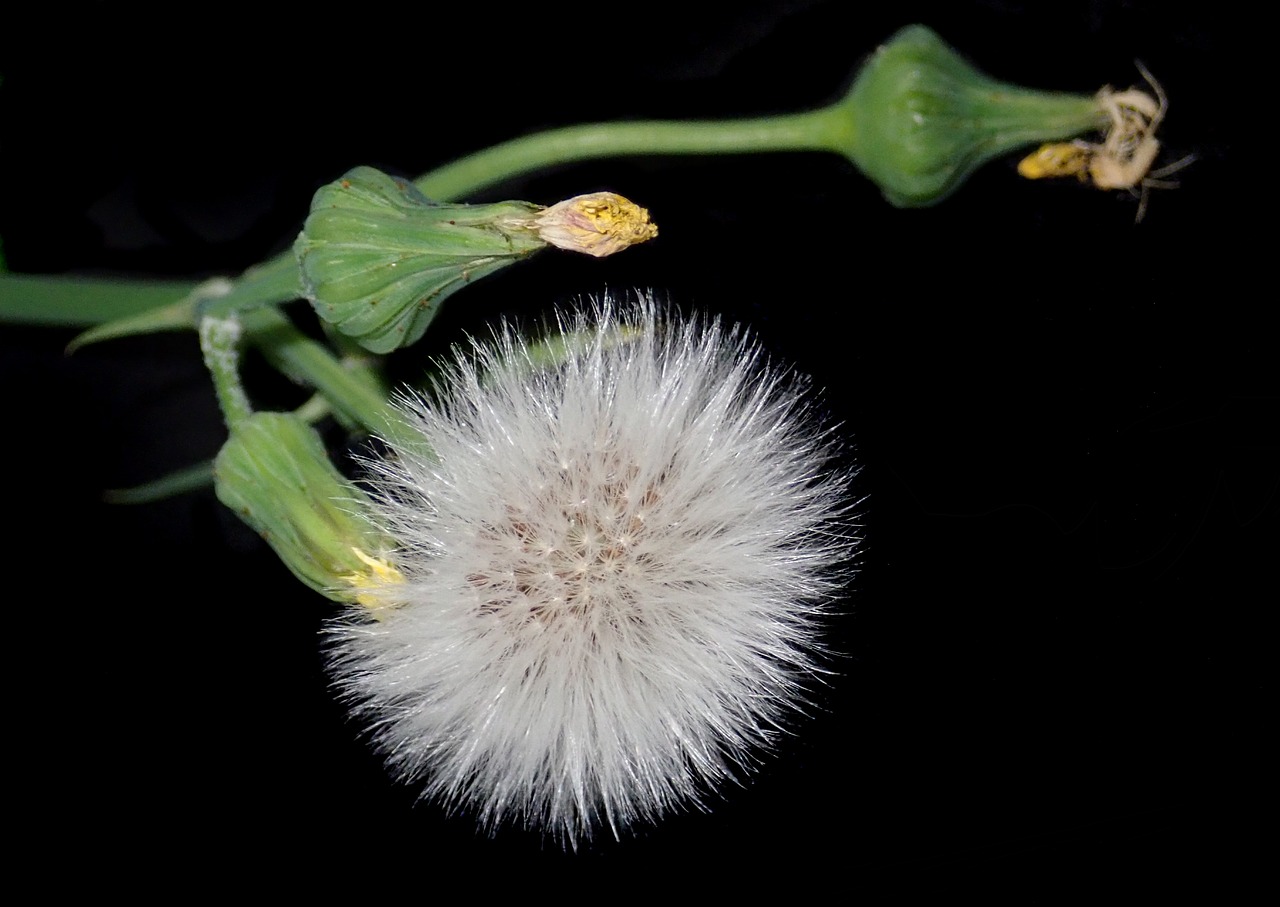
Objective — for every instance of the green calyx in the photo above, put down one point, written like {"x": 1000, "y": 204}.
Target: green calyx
{"x": 377, "y": 257}
{"x": 273, "y": 472}
{"x": 925, "y": 118}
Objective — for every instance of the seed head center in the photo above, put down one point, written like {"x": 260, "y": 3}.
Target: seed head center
{"x": 575, "y": 553}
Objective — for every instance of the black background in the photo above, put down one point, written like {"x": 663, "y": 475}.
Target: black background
{"x": 1067, "y": 427}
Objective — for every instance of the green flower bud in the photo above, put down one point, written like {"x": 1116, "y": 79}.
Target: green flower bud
{"x": 377, "y": 257}
{"x": 275, "y": 474}
{"x": 925, "y": 119}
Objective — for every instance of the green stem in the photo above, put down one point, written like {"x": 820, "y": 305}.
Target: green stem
{"x": 123, "y": 307}
{"x": 220, "y": 345}
{"x": 827, "y": 129}
{"x": 275, "y": 280}
{"x": 351, "y": 393}
{"x": 78, "y": 302}
{"x": 192, "y": 478}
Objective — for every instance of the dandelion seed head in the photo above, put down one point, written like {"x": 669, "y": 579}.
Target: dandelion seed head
{"x": 614, "y": 573}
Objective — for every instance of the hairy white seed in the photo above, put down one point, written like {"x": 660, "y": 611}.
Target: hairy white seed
{"x": 615, "y": 573}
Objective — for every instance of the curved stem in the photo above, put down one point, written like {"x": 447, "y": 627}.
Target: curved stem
{"x": 818, "y": 130}
{"x": 220, "y": 345}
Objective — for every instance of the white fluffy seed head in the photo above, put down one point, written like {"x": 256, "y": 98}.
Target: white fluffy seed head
{"x": 615, "y": 574}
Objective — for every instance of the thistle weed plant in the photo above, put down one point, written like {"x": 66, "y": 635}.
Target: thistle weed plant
{"x": 580, "y": 581}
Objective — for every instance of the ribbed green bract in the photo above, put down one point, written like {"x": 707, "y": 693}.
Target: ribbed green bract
{"x": 925, "y": 119}
{"x": 273, "y": 472}
{"x": 377, "y": 257}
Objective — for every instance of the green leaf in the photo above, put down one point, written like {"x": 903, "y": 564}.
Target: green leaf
{"x": 178, "y": 316}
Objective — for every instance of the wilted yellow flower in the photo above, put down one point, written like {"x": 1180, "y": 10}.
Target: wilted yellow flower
{"x": 599, "y": 224}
